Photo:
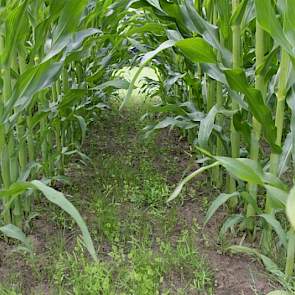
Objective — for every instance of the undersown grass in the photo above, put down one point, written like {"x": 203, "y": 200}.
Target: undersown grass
{"x": 144, "y": 246}
{"x": 140, "y": 270}
{"x": 7, "y": 291}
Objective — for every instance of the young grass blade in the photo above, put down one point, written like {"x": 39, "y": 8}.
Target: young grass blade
{"x": 279, "y": 292}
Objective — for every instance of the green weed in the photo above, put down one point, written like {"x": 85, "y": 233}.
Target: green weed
{"x": 141, "y": 270}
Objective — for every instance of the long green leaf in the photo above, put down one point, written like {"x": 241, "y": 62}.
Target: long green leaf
{"x": 217, "y": 203}
{"x": 14, "y": 28}
{"x": 29, "y": 83}
{"x": 244, "y": 169}
{"x": 268, "y": 20}
{"x": 271, "y": 220}
{"x": 238, "y": 82}
{"x": 206, "y": 127}
{"x": 59, "y": 199}
{"x": 290, "y": 207}
{"x": 230, "y": 222}
{"x": 207, "y": 30}
{"x": 277, "y": 195}
{"x": 14, "y": 232}
{"x": 180, "y": 186}
{"x": 197, "y": 50}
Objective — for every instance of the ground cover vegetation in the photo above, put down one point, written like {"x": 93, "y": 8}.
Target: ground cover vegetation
{"x": 225, "y": 81}
{"x": 143, "y": 246}
{"x": 231, "y": 92}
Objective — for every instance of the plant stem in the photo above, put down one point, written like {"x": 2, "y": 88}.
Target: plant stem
{"x": 289, "y": 270}
{"x": 4, "y": 151}
{"x": 211, "y": 94}
{"x": 280, "y": 110}
{"x": 279, "y": 123}
{"x": 235, "y": 137}
{"x": 217, "y": 171}
{"x": 256, "y": 126}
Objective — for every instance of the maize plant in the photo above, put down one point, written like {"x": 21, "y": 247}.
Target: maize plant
{"x": 226, "y": 80}
{"x": 58, "y": 60}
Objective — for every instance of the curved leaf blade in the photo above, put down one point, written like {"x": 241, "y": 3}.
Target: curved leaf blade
{"x": 15, "y": 232}
{"x": 197, "y": 50}
{"x": 217, "y": 203}
{"x": 244, "y": 169}
{"x": 59, "y": 199}
{"x": 271, "y": 220}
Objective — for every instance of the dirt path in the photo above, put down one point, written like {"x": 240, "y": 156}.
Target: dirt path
{"x": 232, "y": 274}
{"x": 144, "y": 246}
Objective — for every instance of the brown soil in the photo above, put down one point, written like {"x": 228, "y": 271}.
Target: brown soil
{"x": 234, "y": 274}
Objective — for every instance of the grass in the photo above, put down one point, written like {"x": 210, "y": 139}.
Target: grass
{"x": 144, "y": 246}
{"x": 140, "y": 270}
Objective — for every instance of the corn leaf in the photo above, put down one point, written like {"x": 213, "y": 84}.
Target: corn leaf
{"x": 208, "y": 31}
{"x": 197, "y": 50}
{"x": 59, "y": 199}
{"x": 290, "y": 207}
{"x": 217, "y": 203}
{"x": 230, "y": 222}
{"x": 29, "y": 83}
{"x": 146, "y": 58}
{"x": 206, "y": 127}
{"x": 14, "y": 28}
{"x": 15, "y": 232}
{"x": 180, "y": 186}
{"x": 271, "y": 220}
{"x": 268, "y": 20}
{"x": 237, "y": 81}
{"x": 279, "y": 197}
{"x": 244, "y": 169}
